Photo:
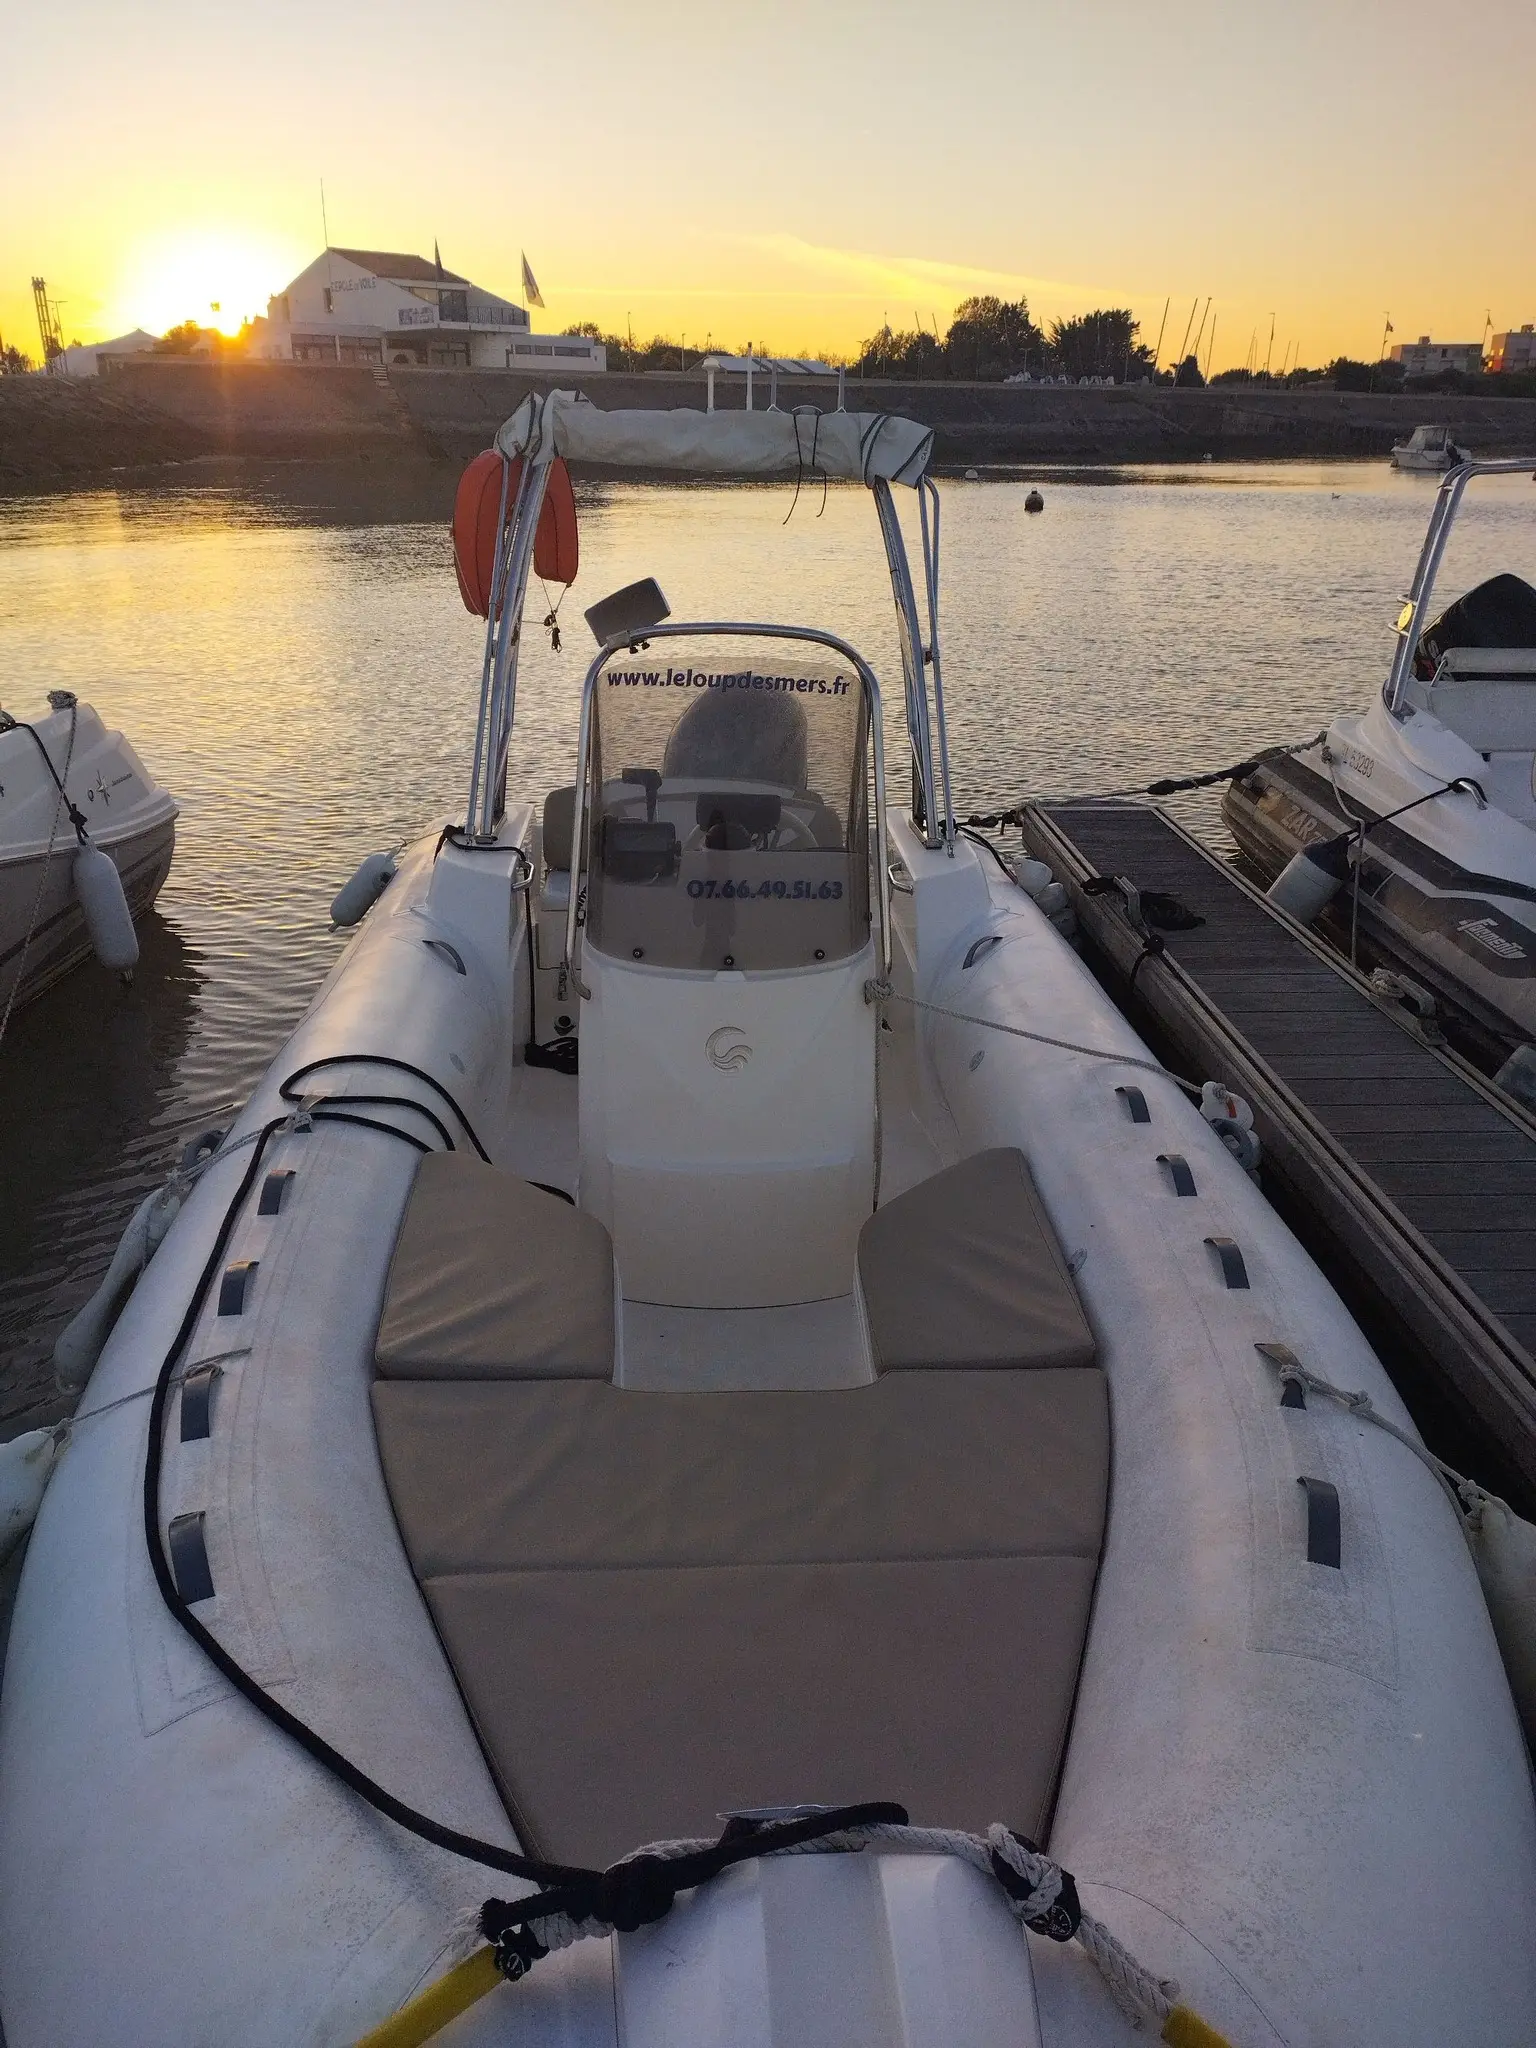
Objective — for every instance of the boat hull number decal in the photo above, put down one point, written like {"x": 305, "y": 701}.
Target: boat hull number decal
{"x": 800, "y": 891}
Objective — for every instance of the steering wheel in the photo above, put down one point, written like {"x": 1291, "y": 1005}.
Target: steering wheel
{"x": 792, "y": 834}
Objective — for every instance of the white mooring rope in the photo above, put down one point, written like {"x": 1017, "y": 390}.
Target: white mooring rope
{"x": 1143, "y": 1998}
{"x": 883, "y": 992}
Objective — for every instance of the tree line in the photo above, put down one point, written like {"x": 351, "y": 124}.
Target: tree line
{"x": 991, "y": 338}
{"x": 988, "y": 339}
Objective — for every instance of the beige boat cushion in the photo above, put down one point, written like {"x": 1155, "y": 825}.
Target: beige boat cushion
{"x": 493, "y": 1279}
{"x": 662, "y": 1606}
{"x": 550, "y": 1476}
{"x": 965, "y": 1270}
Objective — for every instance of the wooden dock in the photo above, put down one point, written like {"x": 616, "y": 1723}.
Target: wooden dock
{"x": 1410, "y": 1174}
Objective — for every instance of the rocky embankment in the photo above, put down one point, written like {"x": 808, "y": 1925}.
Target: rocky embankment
{"x": 149, "y": 414}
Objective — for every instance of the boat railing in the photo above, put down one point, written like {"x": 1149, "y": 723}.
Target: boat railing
{"x": 928, "y": 516}
{"x": 1413, "y": 617}
{"x": 928, "y": 814}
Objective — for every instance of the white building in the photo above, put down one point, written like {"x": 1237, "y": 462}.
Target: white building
{"x": 1514, "y": 350}
{"x": 378, "y": 306}
{"x": 83, "y": 359}
{"x": 1426, "y": 358}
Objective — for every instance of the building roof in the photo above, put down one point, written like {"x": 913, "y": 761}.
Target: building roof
{"x": 81, "y": 356}
{"x": 787, "y": 366}
{"x": 391, "y": 264}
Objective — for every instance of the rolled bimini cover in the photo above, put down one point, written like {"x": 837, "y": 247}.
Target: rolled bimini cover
{"x": 862, "y": 446}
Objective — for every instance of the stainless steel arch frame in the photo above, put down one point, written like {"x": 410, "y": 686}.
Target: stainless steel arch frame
{"x": 503, "y": 637}
{"x": 913, "y": 663}
{"x": 932, "y": 809}
{"x": 928, "y": 515}
{"x": 1412, "y": 619}
{"x": 677, "y": 629}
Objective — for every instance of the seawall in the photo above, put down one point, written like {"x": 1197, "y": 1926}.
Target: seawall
{"x": 144, "y": 415}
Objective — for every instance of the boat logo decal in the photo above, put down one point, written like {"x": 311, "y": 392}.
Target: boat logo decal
{"x": 1483, "y": 932}
{"x": 728, "y": 1049}
{"x": 99, "y": 789}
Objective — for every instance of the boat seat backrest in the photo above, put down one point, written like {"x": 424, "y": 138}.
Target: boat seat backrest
{"x": 1494, "y": 715}
{"x": 493, "y": 1278}
{"x": 964, "y": 1270}
{"x": 1485, "y": 664}
{"x": 559, "y": 826}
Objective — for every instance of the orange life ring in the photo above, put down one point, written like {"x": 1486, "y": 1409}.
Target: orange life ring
{"x": 555, "y": 548}
{"x": 477, "y": 527}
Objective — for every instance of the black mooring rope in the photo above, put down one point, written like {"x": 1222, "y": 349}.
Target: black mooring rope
{"x": 76, "y": 816}
{"x": 1169, "y": 785}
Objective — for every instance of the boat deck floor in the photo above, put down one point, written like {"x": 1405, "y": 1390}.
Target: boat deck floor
{"x": 1421, "y": 1172}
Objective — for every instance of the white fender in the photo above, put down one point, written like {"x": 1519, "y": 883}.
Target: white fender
{"x": 356, "y": 898}
{"x": 80, "y": 1341}
{"x": 26, "y": 1465}
{"x": 100, "y": 889}
{"x": 1311, "y": 879}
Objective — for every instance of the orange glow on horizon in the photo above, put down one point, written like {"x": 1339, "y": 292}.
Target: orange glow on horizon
{"x": 1084, "y": 157}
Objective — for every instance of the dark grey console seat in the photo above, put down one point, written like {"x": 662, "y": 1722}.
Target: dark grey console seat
{"x": 559, "y": 826}
{"x": 663, "y": 1606}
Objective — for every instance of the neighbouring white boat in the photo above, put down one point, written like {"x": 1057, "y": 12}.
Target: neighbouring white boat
{"x": 1436, "y": 781}
{"x": 912, "y": 1404}
{"x": 1428, "y": 448}
{"x": 65, "y": 782}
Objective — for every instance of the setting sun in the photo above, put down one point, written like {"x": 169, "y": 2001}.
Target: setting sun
{"x": 211, "y": 276}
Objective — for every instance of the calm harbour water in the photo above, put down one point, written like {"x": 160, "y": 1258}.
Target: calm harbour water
{"x": 289, "y": 654}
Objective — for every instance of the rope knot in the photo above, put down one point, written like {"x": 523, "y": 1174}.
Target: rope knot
{"x": 876, "y": 991}
{"x": 1044, "y": 1896}
{"x": 633, "y": 1894}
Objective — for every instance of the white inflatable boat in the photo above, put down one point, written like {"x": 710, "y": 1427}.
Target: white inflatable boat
{"x": 1425, "y": 803}
{"x": 68, "y": 784}
{"x": 914, "y": 1413}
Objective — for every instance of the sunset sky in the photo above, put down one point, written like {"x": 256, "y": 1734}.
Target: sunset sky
{"x": 789, "y": 175}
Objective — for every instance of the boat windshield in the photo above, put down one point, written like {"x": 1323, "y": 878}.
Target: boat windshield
{"x": 729, "y": 806}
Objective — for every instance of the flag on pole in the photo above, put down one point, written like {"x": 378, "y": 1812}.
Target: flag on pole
{"x": 531, "y": 290}
{"x": 1390, "y": 328}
